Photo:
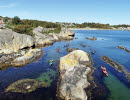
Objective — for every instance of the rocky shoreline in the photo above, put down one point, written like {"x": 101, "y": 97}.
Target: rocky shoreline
{"x": 15, "y": 48}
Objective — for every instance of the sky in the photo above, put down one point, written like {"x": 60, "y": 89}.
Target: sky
{"x": 78, "y": 11}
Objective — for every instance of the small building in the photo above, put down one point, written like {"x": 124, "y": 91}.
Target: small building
{"x": 1, "y": 21}
{"x": 128, "y": 28}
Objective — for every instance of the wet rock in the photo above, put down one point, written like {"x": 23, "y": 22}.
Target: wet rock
{"x": 117, "y": 66}
{"x": 25, "y": 86}
{"x": 124, "y": 48}
{"x": 91, "y": 38}
{"x": 19, "y": 58}
{"x": 30, "y": 56}
{"x": 71, "y": 49}
{"x": 73, "y": 71}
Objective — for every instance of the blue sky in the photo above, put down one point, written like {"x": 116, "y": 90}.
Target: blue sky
{"x": 103, "y": 11}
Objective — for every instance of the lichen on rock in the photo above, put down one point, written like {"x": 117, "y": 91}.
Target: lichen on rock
{"x": 25, "y": 86}
{"x": 73, "y": 71}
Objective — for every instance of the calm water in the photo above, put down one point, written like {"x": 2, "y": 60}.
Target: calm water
{"x": 114, "y": 87}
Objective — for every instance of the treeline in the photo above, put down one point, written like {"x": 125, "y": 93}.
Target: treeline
{"x": 123, "y": 25}
{"x": 91, "y": 25}
{"x": 26, "y": 26}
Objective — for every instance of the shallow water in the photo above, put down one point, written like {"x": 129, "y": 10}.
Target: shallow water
{"x": 108, "y": 88}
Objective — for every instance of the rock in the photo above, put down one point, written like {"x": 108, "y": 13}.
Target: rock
{"x": 117, "y": 66}
{"x": 19, "y": 58}
{"x": 124, "y": 48}
{"x": 93, "y": 38}
{"x": 44, "y": 39}
{"x": 73, "y": 70}
{"x": 31, "y": 55}
{"x": 71, "y": 49}
{"x": 25, "y": 86}
{"x": 11, "y": 41}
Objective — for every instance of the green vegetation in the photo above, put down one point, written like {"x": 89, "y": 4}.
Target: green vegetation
{"x": 91, "y": 25}
{"x": 26, "y": 26}
{"x": 16, "y": 20}
{"x": 55, "y": 30}
{"x": 23, "y": 29}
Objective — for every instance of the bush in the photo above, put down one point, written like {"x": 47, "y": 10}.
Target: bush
{"x": 23, "y": 29}
{"x": 16, "y": 20}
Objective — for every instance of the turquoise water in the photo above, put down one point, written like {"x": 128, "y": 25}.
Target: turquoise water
{"x": 107, "y": 88}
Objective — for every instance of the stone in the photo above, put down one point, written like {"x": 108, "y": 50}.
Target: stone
{"x": 11, "y": 41}
{"x": 25, "y": 86}
{"x": 73, "y": 79}
{"x": 91, "y": 38}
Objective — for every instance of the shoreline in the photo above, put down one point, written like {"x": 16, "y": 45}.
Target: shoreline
{"x": 95, "y": 29}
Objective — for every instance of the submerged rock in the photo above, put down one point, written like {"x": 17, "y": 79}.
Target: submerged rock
{"x": 124, "y": 48}
{"x": 91, "y": 38}
{"x": 117, "y": 66}
{"x": 71, "y": 49}
{"x": 25, "y": 86}
{"x": 73, "y": 70}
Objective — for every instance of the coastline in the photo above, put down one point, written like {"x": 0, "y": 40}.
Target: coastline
{"x": 95, "y": 29}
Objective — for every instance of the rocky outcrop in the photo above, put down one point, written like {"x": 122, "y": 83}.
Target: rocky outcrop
{"x": 73, "y": 70}
{"x": 25, "y": 86}
{"x": 19, "y": 58}
{"x": 11, "y": 41}
{"x": 91, "y": 38}
{"x": 117, "y": 66}
{"x": 44, "y": 39}
{"x": 124, "y": 48}
{"x": 31, "y": 55}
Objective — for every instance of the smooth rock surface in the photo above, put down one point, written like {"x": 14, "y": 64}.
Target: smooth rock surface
{"x": 11, "y": 41}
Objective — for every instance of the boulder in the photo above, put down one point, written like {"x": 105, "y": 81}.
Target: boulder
{"x": 73, "y": 70}
{"x": 11, "y": 41}
{"x": 25, "y": 86}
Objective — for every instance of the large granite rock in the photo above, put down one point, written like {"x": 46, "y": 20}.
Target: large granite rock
{"x": 11, "y": 41}
{"x": 73, "y": 70}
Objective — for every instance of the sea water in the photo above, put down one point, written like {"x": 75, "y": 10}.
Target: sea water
{"x": 114, "y": 87}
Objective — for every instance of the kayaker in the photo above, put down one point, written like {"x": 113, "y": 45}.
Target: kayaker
{"x": 58, "y": 50}
{"x": 51, "y": 62}
{"x": 104, "y": 70}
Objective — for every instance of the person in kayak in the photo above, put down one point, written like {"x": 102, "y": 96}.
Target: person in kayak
{"x": 104, "y": 70}
{"x": 57, "y": 50}
{"x": 51, "y": 62}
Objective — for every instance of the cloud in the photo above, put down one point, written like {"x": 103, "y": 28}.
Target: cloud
{"x": 7, "y": 6}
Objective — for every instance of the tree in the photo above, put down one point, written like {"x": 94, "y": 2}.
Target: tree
{"x": 16, "y": 20}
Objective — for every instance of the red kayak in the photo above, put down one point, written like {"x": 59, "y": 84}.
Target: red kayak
{"x": 104, "y": 71}
{"x": 58, "y": 50}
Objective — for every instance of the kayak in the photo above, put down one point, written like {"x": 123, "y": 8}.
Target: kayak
{"x": 104, "y": 71}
